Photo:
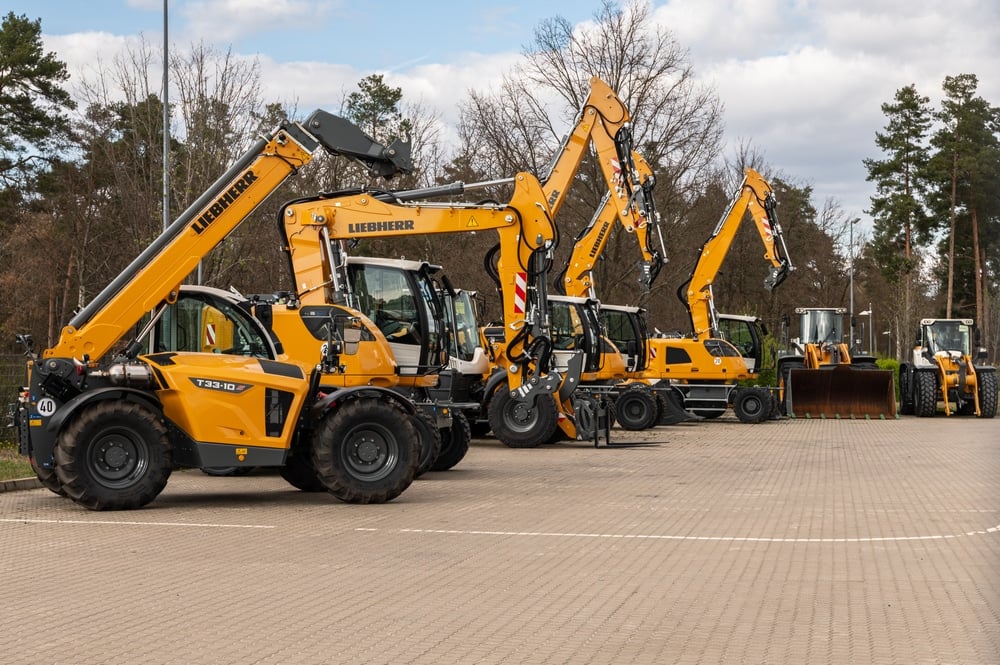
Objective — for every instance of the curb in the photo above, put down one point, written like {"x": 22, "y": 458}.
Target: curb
{"x": 20, "y": 484}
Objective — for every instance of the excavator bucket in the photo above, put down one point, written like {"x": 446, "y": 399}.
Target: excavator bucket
{"x": 841, "y": 391}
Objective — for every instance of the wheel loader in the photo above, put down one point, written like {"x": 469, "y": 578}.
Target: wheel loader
{"x": 942, "y": 370}
{"x": 821, "y": 379}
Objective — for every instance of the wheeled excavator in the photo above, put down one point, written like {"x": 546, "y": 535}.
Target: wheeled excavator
{"x": 530, "y": 390}
{"x": 697, "y": 373}
{"x": 104, "y": 419}
{"x": 942, "y": 369}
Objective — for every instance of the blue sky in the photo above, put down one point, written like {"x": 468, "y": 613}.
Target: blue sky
{"x": 802, "y": 80}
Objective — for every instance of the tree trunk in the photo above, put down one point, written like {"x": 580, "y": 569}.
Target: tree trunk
{"x": 951, "y": 233}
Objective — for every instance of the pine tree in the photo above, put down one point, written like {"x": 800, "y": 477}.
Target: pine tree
{"x": 900, "y": 216}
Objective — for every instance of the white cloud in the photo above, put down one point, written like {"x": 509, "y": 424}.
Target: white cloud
{"x": 219, "y": 21}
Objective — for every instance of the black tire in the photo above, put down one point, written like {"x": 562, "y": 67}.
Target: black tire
{"x": 585, "y": 415}
{"x": 114, "y": 455}
{"x": 430, "y": 441}
{"x": 925, "y": 394}
{"x": 905, "y": 390}
{"x": 454, "y": 442}
{"x": 299, "y": 470}
{"x": 752, "y": 404}
{"x": 671, "y": 407}
{"x": 48, "y": 479}
{"x": 366, "y": 451}
{"x": 636, "y": 408}
{"x": 519, "y": 426}
{"x": 987, "y": 393}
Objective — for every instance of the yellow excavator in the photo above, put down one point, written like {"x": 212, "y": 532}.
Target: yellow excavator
{"x": 530, "y": 391}
{"x": 105, "y": 418}
{"x": 698, "y": 373}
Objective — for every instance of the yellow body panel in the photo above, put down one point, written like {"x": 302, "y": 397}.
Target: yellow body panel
{"x": 221, "y": 399}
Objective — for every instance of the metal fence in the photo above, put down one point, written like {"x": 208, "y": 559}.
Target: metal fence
{"x": 11, "y": 380}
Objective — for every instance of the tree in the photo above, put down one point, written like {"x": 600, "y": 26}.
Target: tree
{"x": 897, "y": 208}
{"x": 965, "y": 168}
{"x": 33, "y": 104}
{"x": 518, "y": 125}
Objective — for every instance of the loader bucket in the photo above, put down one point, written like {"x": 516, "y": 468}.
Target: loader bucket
{"x": 841, "y": 391}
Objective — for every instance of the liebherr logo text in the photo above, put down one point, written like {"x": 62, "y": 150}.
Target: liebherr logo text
{"x": 600, "y": 237}
{"x": 372, "y": 227}
{"x": 223, "y": 202}
{"x": 222, "y": 386}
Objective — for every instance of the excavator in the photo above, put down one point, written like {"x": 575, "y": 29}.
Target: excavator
{"x": 104, "y": 419}
{"x": 699, "y": 373}
{"x": 530, "y": 392}
{"x": 316, "y": 230}
{"x": 821, "y": 378}
{"x": 943, "y": 369}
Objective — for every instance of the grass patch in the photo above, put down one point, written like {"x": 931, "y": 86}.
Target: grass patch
{"x": 13, "y": 465}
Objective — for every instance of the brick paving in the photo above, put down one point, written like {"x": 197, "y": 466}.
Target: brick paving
{"x": 799, "y": 541}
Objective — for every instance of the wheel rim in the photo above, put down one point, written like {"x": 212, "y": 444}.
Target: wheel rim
{"x": 117, "y": 457}
{"x": 370, "y": 452}
{"x": 633, "y": 410}
{"x": 519, "y": 417}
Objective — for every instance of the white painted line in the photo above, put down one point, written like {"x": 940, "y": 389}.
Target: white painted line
{"x": 190, "y": 524}
{"x": 732, "y": 539}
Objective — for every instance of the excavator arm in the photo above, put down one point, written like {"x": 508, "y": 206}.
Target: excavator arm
{"x": 314, "y": 228}
{"x": 576, "y": 278}
{"x": 156, "y": 274}
{"x": 755, "y": 197}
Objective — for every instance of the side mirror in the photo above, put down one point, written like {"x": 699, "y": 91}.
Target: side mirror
{"x": 352, "y": 337}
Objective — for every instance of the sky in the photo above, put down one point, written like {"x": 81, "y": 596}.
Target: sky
{"x": 802, "y": 81}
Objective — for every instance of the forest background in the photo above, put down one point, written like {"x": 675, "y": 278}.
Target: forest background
{"x": 82, "y": 187}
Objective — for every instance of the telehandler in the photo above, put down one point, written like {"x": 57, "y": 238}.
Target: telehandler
{"x": 104, "y": 420}
{"x": 942, "y": 369}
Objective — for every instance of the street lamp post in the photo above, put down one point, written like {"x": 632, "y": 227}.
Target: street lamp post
{"x": 850, "y": 248}
{"x": 888, "y": 343}
{"x": 871, "y": 336}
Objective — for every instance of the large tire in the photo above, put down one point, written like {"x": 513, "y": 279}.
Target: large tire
{"x": 752, "y": 404}
{"x": 299, "y": 470}
{"x": 114, "y": 455}
{"x": 454, "y": 442}
{"x": 636, "y": 408}
{"x": 905, "y": 390}
{"x": 430, "y": 441}
{"x": 925, "y": 394}
{"x": 987, "y": 393}
{"x": 48, "y": 479}
{"x": 366, "y": 451}
{"x": 519, "y": 426}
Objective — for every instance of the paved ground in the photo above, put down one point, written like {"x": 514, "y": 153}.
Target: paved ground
{"x": 803, "y": 541}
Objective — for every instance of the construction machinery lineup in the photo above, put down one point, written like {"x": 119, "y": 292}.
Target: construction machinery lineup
{"x": 360, "y": 377}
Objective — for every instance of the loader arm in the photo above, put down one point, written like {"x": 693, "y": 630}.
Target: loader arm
{"x": 755, "y": 197}
{"x": 156, "y": 274}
